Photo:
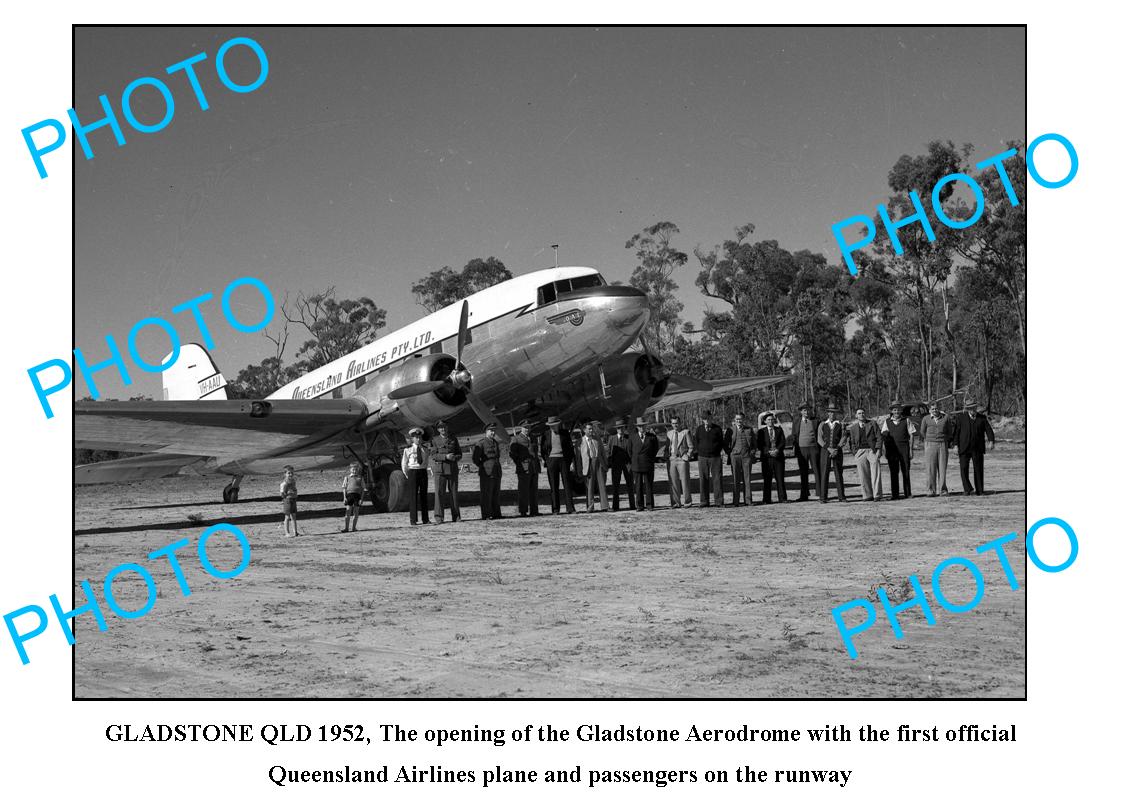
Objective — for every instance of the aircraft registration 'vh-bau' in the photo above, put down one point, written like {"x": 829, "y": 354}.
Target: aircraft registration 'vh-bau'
{"x": 552, "y": 342}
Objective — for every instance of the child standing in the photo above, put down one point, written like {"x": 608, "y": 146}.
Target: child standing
{"x": 352, "y": 497}
{"x": 288, "y": 501}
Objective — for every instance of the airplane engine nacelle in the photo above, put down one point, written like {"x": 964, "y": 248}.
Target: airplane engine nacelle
{"x": 624, "y": 380}
{"x": 629, "y": 375}
{"x": 418, "y": 410}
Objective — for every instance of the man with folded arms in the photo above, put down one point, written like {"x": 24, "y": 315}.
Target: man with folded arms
{"x": 709, "y": 445}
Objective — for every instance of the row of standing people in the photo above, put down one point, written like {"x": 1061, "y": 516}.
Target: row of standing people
{"x": 818, "y": 448}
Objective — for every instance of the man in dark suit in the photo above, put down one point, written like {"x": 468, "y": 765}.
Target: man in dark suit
{"x": 970, "y": 433}
{"x": 805, "y": 440}
{"x": 446, "y": 469}
{"x": 557, "y": 452}
{"x": 740, "y": 447}
{"x": 770, "y": 443}
{"x": 709, "y": 445}
{"x": 485, "y": 455}
{"x": 620, "y": 460}
{"x": 524, "y": 453}
{"x": 644, "y": 452}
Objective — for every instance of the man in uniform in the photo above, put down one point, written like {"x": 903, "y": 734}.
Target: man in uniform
{"x": 740, "y": 442}
{"x": 897, "y": 432}
{"x": 935, "y": 431}
{"x": 680, "y": 450}
{"x": 805, "y": 440}
{"x": 970, "y": 433}
{"x": 594, "y": 463}
{"x": 524, "y": 453}
{"x": 865, "y": 444}
{"x": 620, "y": 460}
{"x": 446, "y": 473}
{"x": 557, "y": 451}
{"x": 770, "y": 443}
{"x": 486, "y": 456}
{"x": 709, "y": 445}
{"x": 831, "y": 438}
{"x": 643, "y": 465}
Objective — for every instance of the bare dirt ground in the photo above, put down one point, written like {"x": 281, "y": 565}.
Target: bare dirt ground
{"x": 684, "y": 603}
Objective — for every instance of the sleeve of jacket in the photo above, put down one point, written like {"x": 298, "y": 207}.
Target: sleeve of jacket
{"x": 477, "y": 455}
{"x": 987, "y": 429}
{"x": 405, "y": 460}
{"x": 819, "y": 435}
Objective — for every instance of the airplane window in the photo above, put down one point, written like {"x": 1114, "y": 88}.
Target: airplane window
{"x": 592, "y": 280}
{"x": 546, "y": 295}
{"x": 359, "y": 382}
{"x": 337, "y": 392}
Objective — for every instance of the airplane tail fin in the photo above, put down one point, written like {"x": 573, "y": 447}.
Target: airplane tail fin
{"x": 194, "y": 377}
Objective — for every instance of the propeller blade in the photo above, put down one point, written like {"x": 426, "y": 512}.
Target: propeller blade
{"x": 415, "y": 389}
{"x": 690, "y": 383}
{"x": 483, "y": 412}
{"x": 462, "y": 333}
{"x": 641, "y": 404}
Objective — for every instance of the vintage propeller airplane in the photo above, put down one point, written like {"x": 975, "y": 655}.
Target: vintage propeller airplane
{"x": 550, "y": 342}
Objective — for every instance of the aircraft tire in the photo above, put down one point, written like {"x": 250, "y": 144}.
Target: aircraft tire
{"x": 230, "y": 494}
{"x": 389, "y": 492}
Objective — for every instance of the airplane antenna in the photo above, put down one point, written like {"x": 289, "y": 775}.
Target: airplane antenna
{"x": 554, "y": 246}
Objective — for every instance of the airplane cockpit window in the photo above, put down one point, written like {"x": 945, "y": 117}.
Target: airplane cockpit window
{"x": 548, "y": 294}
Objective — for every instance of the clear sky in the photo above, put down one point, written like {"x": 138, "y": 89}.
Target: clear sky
{"x": 372, "y": 156}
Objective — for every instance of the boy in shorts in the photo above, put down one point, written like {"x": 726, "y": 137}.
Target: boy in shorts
{"x": 288, "y": 501}
{"x": 352, "y": 497}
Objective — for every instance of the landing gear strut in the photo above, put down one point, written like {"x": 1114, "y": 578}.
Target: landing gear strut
{"x": 230, "y": 491}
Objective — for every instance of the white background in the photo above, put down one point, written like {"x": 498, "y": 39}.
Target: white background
{"x": 1064, "y": 730}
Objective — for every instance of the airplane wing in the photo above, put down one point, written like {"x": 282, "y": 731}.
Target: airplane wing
{"x": 134, "y": 468}
{"x": 225, "y": 430}
{"x": 678, "y": 394}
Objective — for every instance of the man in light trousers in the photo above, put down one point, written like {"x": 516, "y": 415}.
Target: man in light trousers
{"x": 680, "y": 450}
{"x": 934, "y": 432}
{"x": 865, "y": 444}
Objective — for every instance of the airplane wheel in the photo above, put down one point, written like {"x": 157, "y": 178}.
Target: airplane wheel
{"x": 230, "y": 494}
{"x": 398, "y": 499}
{"x": 389, "y": 490}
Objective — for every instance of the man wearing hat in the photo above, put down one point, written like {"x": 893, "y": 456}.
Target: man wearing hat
{"x": 770, "y": 443}
{"x": 594, "y": 464}
{"x": 620, "y": 460}
{"x": 415, "y": 466}
{"x": 557, "y": 452}
{"x": 524, "y": 453}
{"x": 831, "y": 436}
{"x": 805, "y": 440}
{"x": 709, "y": 445}
{"x": 865, "y": 443}
{"x": 644, "y": 453}
{"x": 486, "y": 456}
{"x": 740, "y": 442}
{"x": 680, "y": 450}
{"x": 934, "y": 431}
{"x": 445, "y": 458}
{"x": 897, "y": 432}
{"x": 970, "y": 432}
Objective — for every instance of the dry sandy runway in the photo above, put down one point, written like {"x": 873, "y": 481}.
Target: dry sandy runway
{"x": 698, "y": 603}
